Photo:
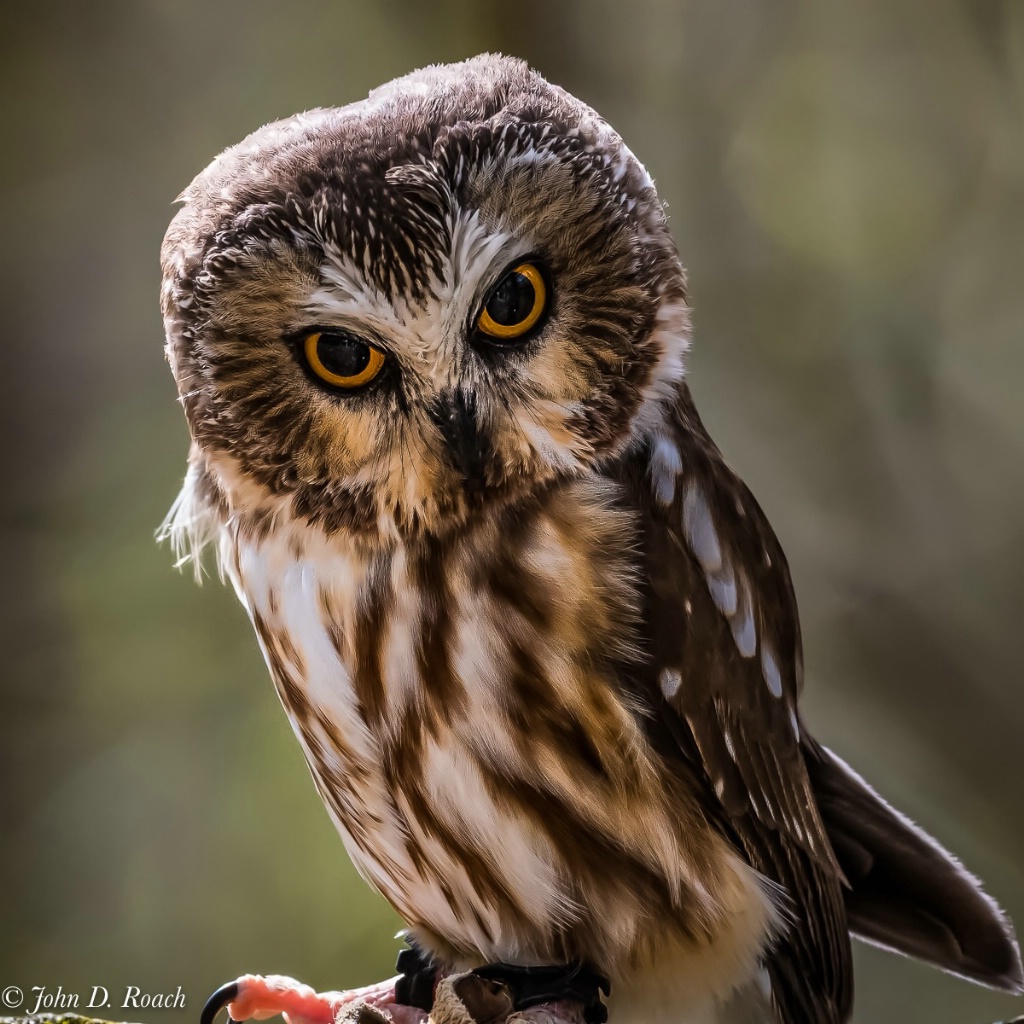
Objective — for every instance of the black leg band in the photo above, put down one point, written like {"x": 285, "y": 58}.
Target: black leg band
{"x": 418, "y": 973}
{"x": 528, "y": 986}
{"x": 531, "y": 986}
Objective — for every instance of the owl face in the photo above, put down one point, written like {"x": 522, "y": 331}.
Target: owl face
{"x": 394, "y": 315}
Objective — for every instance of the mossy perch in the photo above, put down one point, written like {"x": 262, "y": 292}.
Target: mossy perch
{"x": 58, "y": 1018}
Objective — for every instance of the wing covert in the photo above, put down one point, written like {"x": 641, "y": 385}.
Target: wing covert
{"x": 722, "y": 624}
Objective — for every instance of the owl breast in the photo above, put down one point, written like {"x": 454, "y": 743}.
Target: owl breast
{"x": 460, "y": 708}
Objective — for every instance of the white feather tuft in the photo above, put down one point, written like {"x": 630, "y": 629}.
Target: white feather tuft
{"x": 190, "y": 525}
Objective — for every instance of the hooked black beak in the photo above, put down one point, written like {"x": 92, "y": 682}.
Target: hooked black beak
{"x": 455, "y": 414}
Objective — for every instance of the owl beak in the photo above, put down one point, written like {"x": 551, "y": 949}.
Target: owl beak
{"x": 468, "y": 450}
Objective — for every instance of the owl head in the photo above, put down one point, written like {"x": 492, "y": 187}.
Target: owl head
{"x": 393, "y": 316}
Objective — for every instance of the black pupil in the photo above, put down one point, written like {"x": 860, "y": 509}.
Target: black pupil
{"x": 342, "y": 354}
{"x": 512, "y": 301}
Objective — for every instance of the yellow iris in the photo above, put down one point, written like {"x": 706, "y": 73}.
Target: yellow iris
{"x": 515, "y": 305}
{"x": 342, "y": 360}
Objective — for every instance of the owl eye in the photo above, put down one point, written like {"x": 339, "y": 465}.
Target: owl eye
{"x": 515, "y": 305}
{"x": 341, "y": 359}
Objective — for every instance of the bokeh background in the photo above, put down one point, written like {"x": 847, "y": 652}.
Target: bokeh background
{"x": 846, "y": 184}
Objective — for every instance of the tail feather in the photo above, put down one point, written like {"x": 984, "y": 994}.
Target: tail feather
{"x": 906, "y": 892}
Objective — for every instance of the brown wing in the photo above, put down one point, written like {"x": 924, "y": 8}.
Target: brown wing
{"x": 723, "y": 630}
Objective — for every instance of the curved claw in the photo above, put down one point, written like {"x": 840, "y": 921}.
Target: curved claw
{"x": 221, "y": 998}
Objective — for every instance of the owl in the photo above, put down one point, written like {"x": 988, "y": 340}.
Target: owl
{"x": 536, "y": 639}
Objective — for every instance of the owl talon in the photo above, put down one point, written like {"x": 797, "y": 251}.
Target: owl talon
{"x": 254, "y": 997}
{"x": 218, "y": 1001}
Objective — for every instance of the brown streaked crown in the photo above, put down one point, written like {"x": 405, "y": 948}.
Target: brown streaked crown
{"x": 392, "y": 219}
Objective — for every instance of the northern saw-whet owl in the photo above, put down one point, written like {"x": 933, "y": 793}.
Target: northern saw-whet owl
{"x": 537, "y": 640}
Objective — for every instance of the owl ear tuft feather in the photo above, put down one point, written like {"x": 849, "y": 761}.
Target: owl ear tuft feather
{"x": 190, "y": 525}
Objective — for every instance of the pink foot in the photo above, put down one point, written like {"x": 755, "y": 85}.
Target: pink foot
{"x": 254, "y": 997}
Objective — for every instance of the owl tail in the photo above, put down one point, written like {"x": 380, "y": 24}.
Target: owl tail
{"x": 906, "y": 893}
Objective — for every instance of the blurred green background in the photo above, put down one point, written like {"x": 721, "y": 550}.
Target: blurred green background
{"x": 846, "y": 184}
